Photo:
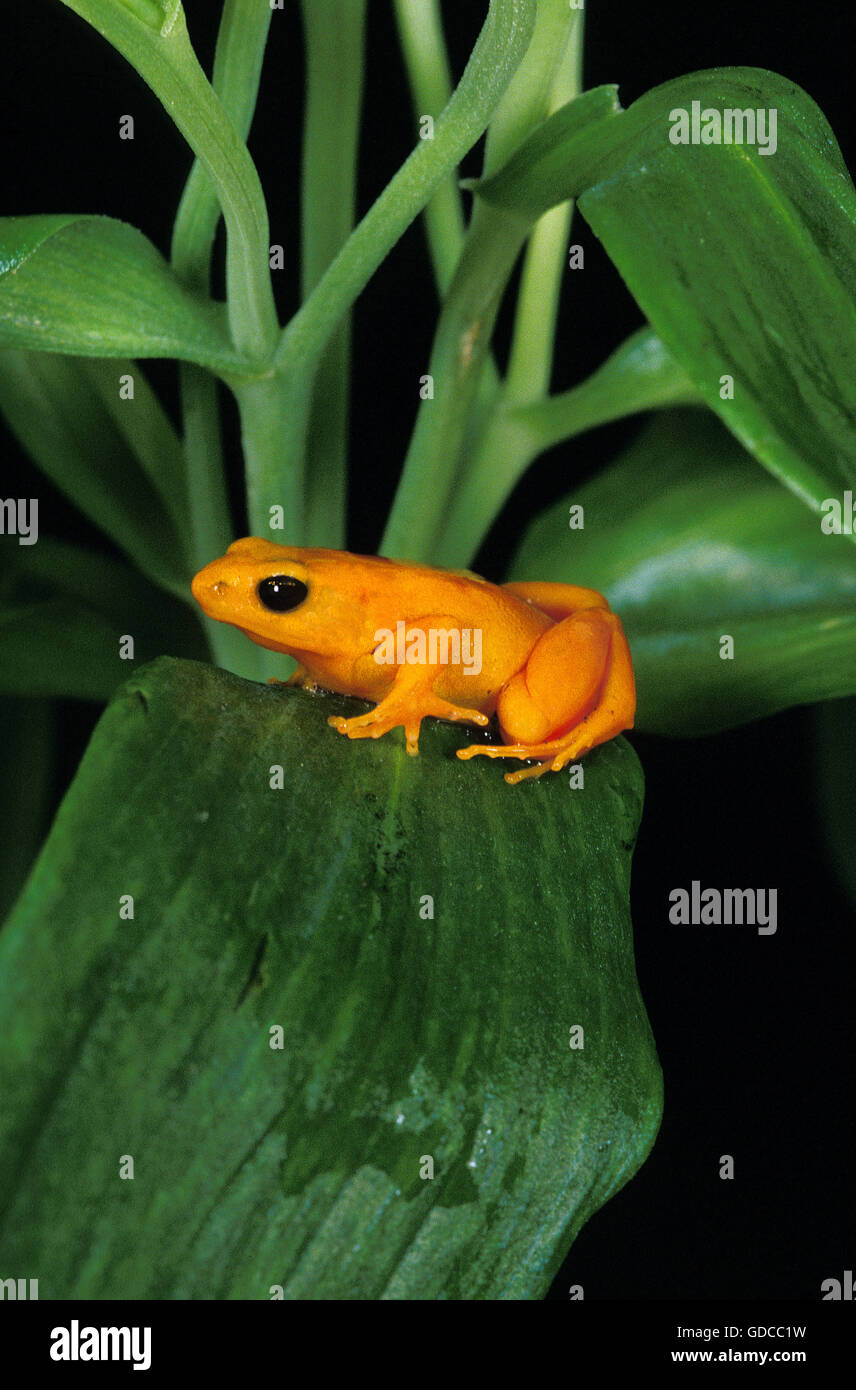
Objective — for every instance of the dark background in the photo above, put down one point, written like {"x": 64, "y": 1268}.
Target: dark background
{"x": 754, "y": 1032}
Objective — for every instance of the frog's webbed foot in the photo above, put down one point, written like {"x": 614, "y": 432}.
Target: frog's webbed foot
{"x": 551, "y": 757}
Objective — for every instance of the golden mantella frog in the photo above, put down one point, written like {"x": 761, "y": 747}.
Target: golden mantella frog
{"x": 550, "y": 660}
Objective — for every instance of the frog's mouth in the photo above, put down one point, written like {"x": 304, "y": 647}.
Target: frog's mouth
{"x": 269, "y": 643}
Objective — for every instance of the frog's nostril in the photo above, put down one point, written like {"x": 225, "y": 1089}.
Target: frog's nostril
{"x": 208, "y": 588}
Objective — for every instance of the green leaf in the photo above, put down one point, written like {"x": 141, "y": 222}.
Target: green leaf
{"x": 639, "y": 375}
{"x": 26, "y": 773}
{"x": 142, "y": 424}
{"x": 97, "y": 287}
{"x": 691, "y": 542}
{"x": 558, "y": 160}
{"x": 404, "y": 1035}
{"x": 56, "y": 647}
{"x": 335, "y": 45}
{"x": 459, "y": 352}
{"x": 63, "y": 613}
{"x": 152, "y": 36}
{"x": 745, "y": 263}
{"x": 109, "y": 586}
{"x": 70, "y": 431}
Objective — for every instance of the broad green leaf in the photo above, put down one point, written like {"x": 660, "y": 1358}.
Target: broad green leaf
{"x": 405, "y": 1035}
{"x": 65, "y": 424}
{"x": 97, "y": 287}
{"x": 691, "y": 543}
{"x": 744, "y": 262}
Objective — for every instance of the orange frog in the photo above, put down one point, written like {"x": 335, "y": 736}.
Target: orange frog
{"x": 550, "y": 660}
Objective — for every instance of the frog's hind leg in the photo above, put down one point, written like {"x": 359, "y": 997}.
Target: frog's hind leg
{"x": 558, "y": 600}
{"x": 410, "y": 698}
{"x": 576, "y": 691}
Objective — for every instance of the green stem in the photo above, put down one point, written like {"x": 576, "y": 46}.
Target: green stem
{"x": 210, "y": 522}
{"x": 529, "y": 97}
{"x": 455, "y": 418}
{"x": 503, "y": 450}
{"x": 163, "y": 56}
{"x": 274, "y": 417}
{"x": 274, "y": 412}
{"x": 460, "y": 348}
{"x": 420, "y": 33}
{"x": 237, "y": 69}
{"x": 530, "y": 363}
{"x": 241, "y": 41}
{"x": 498, "y": 50}
{"x": 335, "y": 53}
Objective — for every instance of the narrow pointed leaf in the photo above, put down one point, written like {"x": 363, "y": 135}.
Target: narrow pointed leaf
{"x": 64, "y": 423}
{"x": 639, "y": 375}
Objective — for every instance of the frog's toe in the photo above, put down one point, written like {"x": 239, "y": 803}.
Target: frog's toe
{"x": 351, "y": 728}
{"x": 523, "y": 774}
{"x": 491, "y": 750}
{"x": 360, "y": 726}
{"x": 455, "y": 714}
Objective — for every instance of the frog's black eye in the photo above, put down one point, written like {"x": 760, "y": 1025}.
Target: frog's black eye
{"x": 282, "y": 592}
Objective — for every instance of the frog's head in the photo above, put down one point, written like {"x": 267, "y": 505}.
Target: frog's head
{"x": 286, "y": 598}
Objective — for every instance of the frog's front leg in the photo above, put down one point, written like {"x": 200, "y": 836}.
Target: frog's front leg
{"x": 300, "y": 677}
{"x": 576, "y": 691}
{"x": 411, "y": 696}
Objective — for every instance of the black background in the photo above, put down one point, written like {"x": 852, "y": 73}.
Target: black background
{"x": 754, "y": 1033}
